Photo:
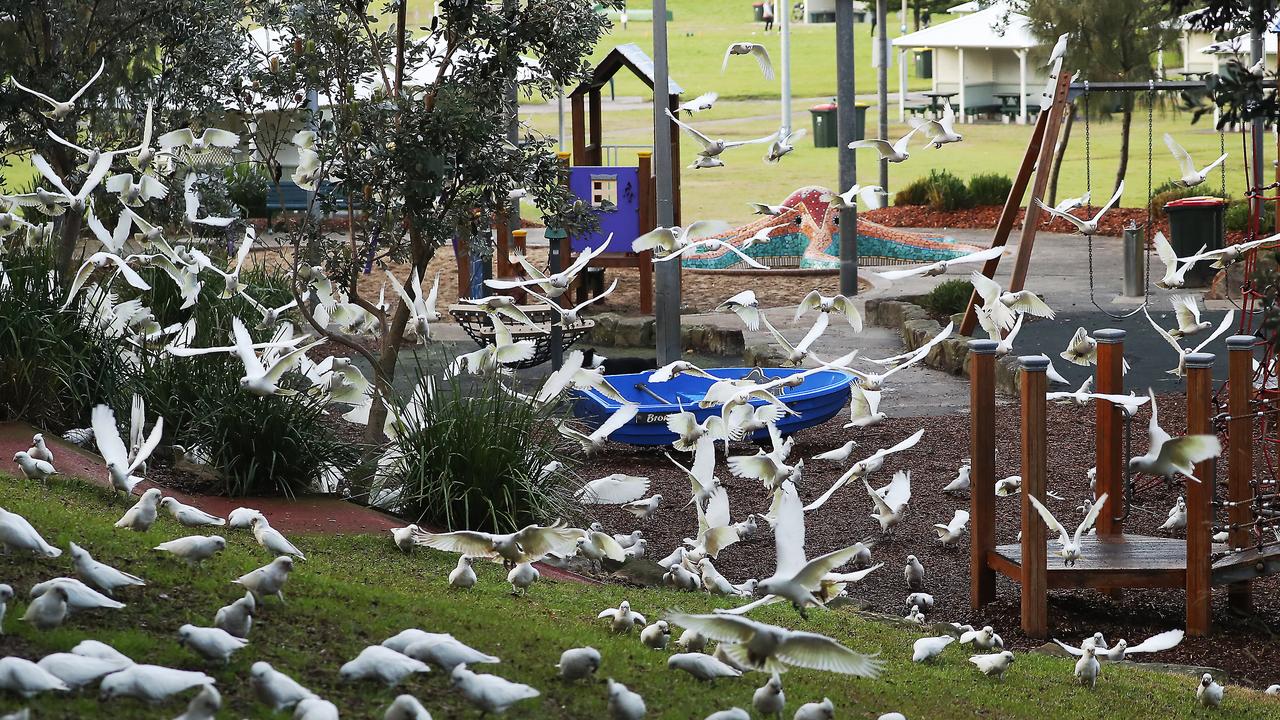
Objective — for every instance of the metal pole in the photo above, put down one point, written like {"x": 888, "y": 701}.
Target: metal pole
{"x": 668, "y": 273}
{"x": 784, "y": 28}
{"x": 1134, "y": 257}
{"x": 1257, "y": 129}
{"x": 510, "y": 9}
{"x": 846, "y": 112}
{"x": 882, "y": 76}
{"x": 560, "y": 117}
{"x": 902, "y": 19}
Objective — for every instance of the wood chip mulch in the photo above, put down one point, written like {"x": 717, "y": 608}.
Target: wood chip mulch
{"x": 1245, "y": 646}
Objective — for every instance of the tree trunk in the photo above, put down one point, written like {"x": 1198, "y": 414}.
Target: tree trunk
{"x": 1125, "y": 124}
{"x": 70, "y": 223}
{"x": 1059, "y": 152}
{"x": 915, "y": 7}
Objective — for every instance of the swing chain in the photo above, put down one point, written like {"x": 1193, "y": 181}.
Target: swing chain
{"x": 1146, "y": 231}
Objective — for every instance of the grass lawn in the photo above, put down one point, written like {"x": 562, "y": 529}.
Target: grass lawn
{"x": 722, "y": 193}
{"x": 358, "y": 590}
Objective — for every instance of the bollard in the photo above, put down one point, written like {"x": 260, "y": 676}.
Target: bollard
{"x": 1035, "y": 560}
{"x": 1199, "y": 498}
{"x": 1134, "y": 258}
{"x": 1240, "y": 453}
{"x": 982, "y": 481}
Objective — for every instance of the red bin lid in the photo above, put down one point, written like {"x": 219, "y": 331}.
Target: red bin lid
{"x": 824, "y": 106}
{"x": 1198, "y": 201}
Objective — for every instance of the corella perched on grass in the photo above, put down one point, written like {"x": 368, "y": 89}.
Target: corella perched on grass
{"x": 268, "y": 579}
{"x": 490, "y": 693}
{"x": 18, "y": 534}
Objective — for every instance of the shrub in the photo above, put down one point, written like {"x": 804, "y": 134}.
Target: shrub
{"x": 1169, "y": 192}
{"x": 989, "y": 189}
{"x": 947, "y": 192}
{"x": 54, "y": 364}
{"x": 949, "y": 297}
{"x": 941, "y": 190}
{"x": 247, "y": 185}
{"x": 915, "y": 193}
{"x": 259, "y": 445}
{"x": 477, "y": 459}
{"x": 1237, "y": 216}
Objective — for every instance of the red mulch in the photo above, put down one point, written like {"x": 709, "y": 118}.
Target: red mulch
{"x": 986, "y": 217}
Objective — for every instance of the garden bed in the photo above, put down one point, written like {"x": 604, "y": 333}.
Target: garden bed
{"x": 1246, "y": 647}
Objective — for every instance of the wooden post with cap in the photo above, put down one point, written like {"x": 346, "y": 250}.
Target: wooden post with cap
{"x": 1109, "y": 460}
{"x": 1199, "y": 498}
{"x": 1239, "y": 454}
{"x": 982, "y": 460}
{"x": 1035, "y": 571}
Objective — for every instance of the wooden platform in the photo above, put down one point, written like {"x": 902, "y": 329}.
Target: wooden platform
{"x": 1246, "y": 565}
{"x": 1138, "y": 561}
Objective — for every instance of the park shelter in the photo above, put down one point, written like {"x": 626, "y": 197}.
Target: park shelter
{"x": 977, "y": 56}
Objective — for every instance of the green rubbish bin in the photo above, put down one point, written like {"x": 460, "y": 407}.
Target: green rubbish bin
{"x": 825, "y": 133}
{"x": 757, "y": 11}
{"x": 1196, "y": 222}
{"x": 924, "y": 63}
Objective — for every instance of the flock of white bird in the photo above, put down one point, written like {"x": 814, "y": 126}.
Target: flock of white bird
{"x": 746, "y": 407}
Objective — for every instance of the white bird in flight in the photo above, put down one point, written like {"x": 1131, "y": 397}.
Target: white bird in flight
{"x": 1085, "y": 227}
{"x": 1190, "y": 175}
{"x": 760, "y": 52}
{"x": 795, "y": 578}
{"x": 774, "y": 649}
{"x": 940, "y": 267}
{"x": 869, "y": 194}
{"x": 713, "y": 148}
{"x": 705, "y": 101}
{"x": 58, "y": 109}
{"x": 1181, "y": 369}
{"x": 1069, "y": 544}
{"x": 940, "y": 131}
{"x": 257, "y": 379}
{"x": 894, "y": 152}
{"x": 1169, "y": 456}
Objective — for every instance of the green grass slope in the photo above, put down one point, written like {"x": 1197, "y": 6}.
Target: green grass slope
{"x": 355, "y": 591}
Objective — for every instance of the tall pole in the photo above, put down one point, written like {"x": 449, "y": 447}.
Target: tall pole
{"x": 1257, "y": 130}
{"x": 510, "y": 9}
{"x": 846, "y": 112}
{"x": 784, "y": 29}
{"x": 882, "y": 42}
{"x": 902, "y": 19}
{"x": 668, "y": 273}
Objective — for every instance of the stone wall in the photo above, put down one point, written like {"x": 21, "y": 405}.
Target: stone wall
{"x": 614, "y": 330}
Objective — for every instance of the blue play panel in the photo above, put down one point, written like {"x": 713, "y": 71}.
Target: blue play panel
{"x": 817, "y": 399}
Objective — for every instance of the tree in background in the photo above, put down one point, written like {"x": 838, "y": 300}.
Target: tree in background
{"x": 182, "y": 55}
{"x": 1111, "y": 40}
{"x": 411, "y": 137}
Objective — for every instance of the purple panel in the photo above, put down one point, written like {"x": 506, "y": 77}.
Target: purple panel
{"x": 615, "y": 193}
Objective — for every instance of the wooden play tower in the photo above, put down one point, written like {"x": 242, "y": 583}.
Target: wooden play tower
{"x": 1114, "y": 560}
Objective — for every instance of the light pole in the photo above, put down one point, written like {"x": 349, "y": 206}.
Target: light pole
{"x": 846, "y": 109}
{"x": 882, "y": 43}
{"x": 667, "y": 275}
{"x": 784, "y": 29}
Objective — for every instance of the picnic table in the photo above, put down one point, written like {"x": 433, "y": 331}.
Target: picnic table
{"x": 936, "y": 99}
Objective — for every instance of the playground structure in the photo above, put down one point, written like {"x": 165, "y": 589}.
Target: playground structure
{"x": 805, "y": 238}
{"x": 1114, "y": 560}
{"x": 622, "y": 196}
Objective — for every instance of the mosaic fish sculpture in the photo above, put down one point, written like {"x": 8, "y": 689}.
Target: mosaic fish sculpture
{"x": 807, "y": 237}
